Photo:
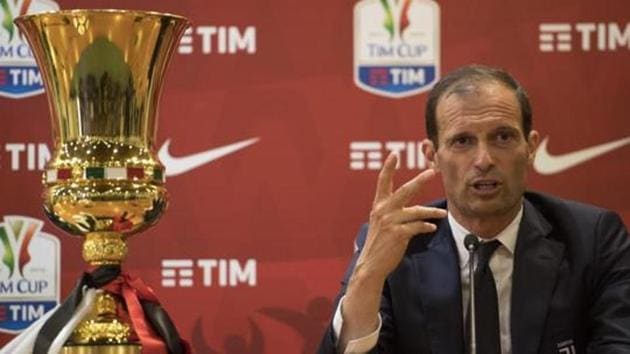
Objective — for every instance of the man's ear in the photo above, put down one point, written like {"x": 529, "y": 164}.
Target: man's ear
{"x": 430, "y": 154}
{"x": 532, "y": 142}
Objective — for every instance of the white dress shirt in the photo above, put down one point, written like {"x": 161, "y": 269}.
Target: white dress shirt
{"x": 501, "y": 264}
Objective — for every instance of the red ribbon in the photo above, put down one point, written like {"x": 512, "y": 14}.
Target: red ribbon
{"x": 132, "y": 290}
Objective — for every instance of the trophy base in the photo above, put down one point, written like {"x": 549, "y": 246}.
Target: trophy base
{"x": 102, "y": 349}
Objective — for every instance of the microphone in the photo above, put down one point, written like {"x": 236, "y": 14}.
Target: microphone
{"x": 471, "y": 242}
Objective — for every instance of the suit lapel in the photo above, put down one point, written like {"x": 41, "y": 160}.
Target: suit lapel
{"x": 536, "y": 263}
{"x": 440, "y": 286}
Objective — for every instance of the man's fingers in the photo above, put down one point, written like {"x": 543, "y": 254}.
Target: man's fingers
{"x": 418, "y": 227}
{"x": 408, "y": 190}
{"x": 385, "y": 182}
{"x": 418, "y": 213}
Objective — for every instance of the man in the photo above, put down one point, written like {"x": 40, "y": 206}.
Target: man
{"x": 556, "y": 277}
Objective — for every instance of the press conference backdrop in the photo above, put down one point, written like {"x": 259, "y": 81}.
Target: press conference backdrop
{"x": 307, "y": 98}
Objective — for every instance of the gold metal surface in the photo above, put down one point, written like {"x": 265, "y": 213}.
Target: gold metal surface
{"x": 100, "y": 248}
{"x": 105, "y": 305}
{"x": 102, "y": 326}
{"x": 91, "y": 332}
{"x": 103, "y": 72}
{"x": 102, "y": 349}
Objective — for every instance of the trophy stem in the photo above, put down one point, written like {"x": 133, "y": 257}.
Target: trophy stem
{"x": 104, "y": 248}
{"x": 102, "y": 326}
{"x": 103, "y": 332}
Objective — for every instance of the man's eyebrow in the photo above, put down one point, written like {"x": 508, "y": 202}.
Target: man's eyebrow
{"x": 462, "y": 133}
{"x": 505, "y": 128}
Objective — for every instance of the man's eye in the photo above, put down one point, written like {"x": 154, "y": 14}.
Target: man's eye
{"x": 505, "y": 137}
{"x": 462, "y": 141}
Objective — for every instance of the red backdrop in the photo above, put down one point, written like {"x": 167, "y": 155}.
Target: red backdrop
{"x": 284, "y": 210}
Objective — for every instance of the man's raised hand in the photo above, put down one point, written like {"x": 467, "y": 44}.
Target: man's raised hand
{"x": 392, "y": 223}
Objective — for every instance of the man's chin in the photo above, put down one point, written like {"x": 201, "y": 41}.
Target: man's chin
{"x": 489, "y": 208}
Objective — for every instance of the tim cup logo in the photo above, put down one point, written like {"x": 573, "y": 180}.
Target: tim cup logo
{"x": 19, "y": 75}
{"x": 396, "y": 46}
{"x": 29, "y": 272}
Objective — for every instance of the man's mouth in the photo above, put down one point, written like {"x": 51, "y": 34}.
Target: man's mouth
{"x": 485, "y": 185}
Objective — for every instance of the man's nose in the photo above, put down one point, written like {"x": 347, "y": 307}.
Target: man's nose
{"x": 483, "y": 157}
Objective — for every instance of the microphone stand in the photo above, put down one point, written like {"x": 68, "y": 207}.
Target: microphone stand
{"x": 472, "y": 243}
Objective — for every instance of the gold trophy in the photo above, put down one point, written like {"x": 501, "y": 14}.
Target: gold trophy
{"x": 103, "y": 72}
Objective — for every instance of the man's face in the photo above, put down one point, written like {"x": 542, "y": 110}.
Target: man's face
{"x": 482, "y": 153}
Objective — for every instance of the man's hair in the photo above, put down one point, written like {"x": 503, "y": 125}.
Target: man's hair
{"x": 460, "y": 81}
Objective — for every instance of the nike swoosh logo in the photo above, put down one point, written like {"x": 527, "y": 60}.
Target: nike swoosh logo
{"x": 547, "y": 164}
{"x": 178, "y": 165}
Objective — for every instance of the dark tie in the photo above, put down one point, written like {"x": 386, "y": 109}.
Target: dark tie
{"x": 487, "y": 310}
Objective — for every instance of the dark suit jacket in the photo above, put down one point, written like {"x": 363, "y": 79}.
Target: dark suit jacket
{"x": 570, "y": 286}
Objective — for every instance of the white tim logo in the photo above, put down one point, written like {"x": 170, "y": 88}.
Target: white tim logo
{"x": 230, "y": 272}
{"x": 214, "y": 272}
{"x": 607, "y": 36}
{"x": 366, "y": 155}
{"x": 177, "y": 272}
{"x": 33, "y": 156}
{"x": 600, "y": 36}
{"x": 555, "y": 37}
{"x": 369, "y": 155}
{"x": 219, "y": 40}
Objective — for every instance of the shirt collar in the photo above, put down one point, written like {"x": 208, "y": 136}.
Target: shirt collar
{"x": 507, "y": 237}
